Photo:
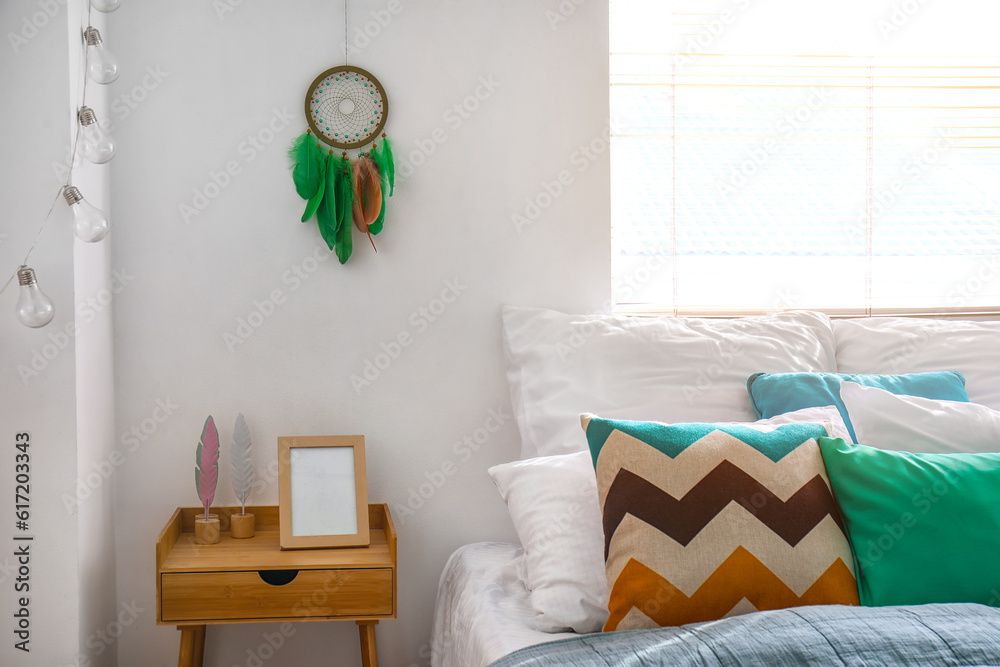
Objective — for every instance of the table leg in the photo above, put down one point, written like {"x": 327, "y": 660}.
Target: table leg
{"x": 369, "y": 654}
{"x": 187, "y": 646}
{"x": 198, "y": 657}
{"x": 192, "y": 645}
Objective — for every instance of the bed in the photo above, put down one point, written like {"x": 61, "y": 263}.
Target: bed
{"x": 483, "y": 617}
{"x": 545, "y": 601}
{"x": 483, "y": 610}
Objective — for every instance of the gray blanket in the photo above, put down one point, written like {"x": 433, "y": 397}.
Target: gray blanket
{"x": 922, "y": 636}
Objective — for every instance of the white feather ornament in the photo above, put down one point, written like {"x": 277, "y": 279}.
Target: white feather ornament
{"x": 241, "y": 455}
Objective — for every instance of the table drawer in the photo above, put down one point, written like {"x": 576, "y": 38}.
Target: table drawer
{"x": 215, "y": 596}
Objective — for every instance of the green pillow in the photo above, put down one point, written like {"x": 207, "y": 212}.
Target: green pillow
{"x": 923, "y": 527}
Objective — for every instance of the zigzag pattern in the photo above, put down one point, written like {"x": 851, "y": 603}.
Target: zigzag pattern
{"x": 687, "y": 567}
{"x": 683, "y": 519}
{"x": 713, "y": 520}
{"x": 679, "y": 474}
{"x": 740, "y": 577}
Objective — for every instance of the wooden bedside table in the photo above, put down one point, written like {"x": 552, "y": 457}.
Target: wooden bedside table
{"x": 254, "y": 581}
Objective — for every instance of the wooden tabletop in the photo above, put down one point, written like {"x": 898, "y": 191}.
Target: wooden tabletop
{"x": 262, "y": 552}
{"x": 177, "y": 552}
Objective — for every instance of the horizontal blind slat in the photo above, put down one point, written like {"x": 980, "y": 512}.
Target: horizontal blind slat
{"x": 878, "y": 197}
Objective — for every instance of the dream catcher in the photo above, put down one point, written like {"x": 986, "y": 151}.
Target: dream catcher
{"x": 346, "y": 107}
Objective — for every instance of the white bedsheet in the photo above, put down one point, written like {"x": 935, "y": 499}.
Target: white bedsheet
{"x": 483, "y": 611}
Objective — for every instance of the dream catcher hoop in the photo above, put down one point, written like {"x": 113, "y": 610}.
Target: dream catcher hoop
{"x": 345, "y": 107}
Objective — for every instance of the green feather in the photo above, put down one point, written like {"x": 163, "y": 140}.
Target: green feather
{"x": 327, "y": 214}
{"x": 385, "y": 158}
{"x": 345, "y": 197}
{"x": 378, "y": 155}
{"x": 312, "y": 206}
{"x": 376, "y": 226}
{"x": 306, "y": 164}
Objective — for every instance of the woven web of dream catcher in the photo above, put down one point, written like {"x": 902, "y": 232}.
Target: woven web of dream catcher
{"x": 346, "y": 107}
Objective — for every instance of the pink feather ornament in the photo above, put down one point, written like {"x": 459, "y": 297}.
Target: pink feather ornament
{"x": 206, "y": 467}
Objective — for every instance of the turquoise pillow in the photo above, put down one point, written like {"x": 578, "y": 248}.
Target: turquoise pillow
{"x": 923, "y": 527}
{"x": 773, "y": 394}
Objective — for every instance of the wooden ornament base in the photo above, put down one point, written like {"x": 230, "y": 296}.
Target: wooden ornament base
{"x": 241, "y": 526}
{"x": 207, "y": 531}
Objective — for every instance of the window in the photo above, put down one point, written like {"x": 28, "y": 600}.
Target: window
{"x": 774, "y": 154}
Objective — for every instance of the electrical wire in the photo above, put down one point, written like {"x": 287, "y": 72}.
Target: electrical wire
{"x": 72, "y": 162}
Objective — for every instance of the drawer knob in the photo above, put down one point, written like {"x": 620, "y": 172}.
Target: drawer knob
{"x": 277, "y": 577}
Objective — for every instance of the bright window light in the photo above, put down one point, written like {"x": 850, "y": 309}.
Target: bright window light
{"x": 781, "y": 154}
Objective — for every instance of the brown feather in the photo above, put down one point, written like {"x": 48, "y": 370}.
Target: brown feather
{"x": 367, "y": 193}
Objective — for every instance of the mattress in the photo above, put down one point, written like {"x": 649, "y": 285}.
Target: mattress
{"x": 483, "y": 611}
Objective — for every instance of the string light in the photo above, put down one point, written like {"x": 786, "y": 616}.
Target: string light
{"x": 89, "y": 222}
{"x": 95, "y": 144}
{"x": 34, "y": 308}
{"x": 102, "y": 66}
{"x": 106, "y": 5}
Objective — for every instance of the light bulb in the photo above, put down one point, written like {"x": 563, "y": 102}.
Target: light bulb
{"x": 34, "y": 309}
{"x": 95, "y": 144}
{"x": 89, "y": 223}
{"x": 105, "y": 5}
{"x": 102, "y": 66}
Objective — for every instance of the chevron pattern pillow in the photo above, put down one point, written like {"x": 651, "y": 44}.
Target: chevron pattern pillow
{"x": 703, "y": 521}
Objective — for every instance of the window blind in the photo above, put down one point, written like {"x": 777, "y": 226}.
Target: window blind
{"x": 775, "y": 155}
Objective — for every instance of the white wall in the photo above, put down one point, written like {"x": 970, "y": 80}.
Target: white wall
{"x": 197, "y": 86}
{"x": 37, "y": 385}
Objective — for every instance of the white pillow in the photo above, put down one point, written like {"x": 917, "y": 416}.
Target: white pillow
{"x": 921, "y": 425}
{"x": 554, "y": 506}
{"x": 659, "y": 369}
{"x": 553, "y": 503}
{"x": 913, "y": 345}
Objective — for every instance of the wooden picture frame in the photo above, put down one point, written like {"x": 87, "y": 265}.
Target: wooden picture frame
{"x": 322, "y": 492}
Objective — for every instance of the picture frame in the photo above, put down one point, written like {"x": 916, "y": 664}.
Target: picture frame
{"x": 322, "y": 492}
